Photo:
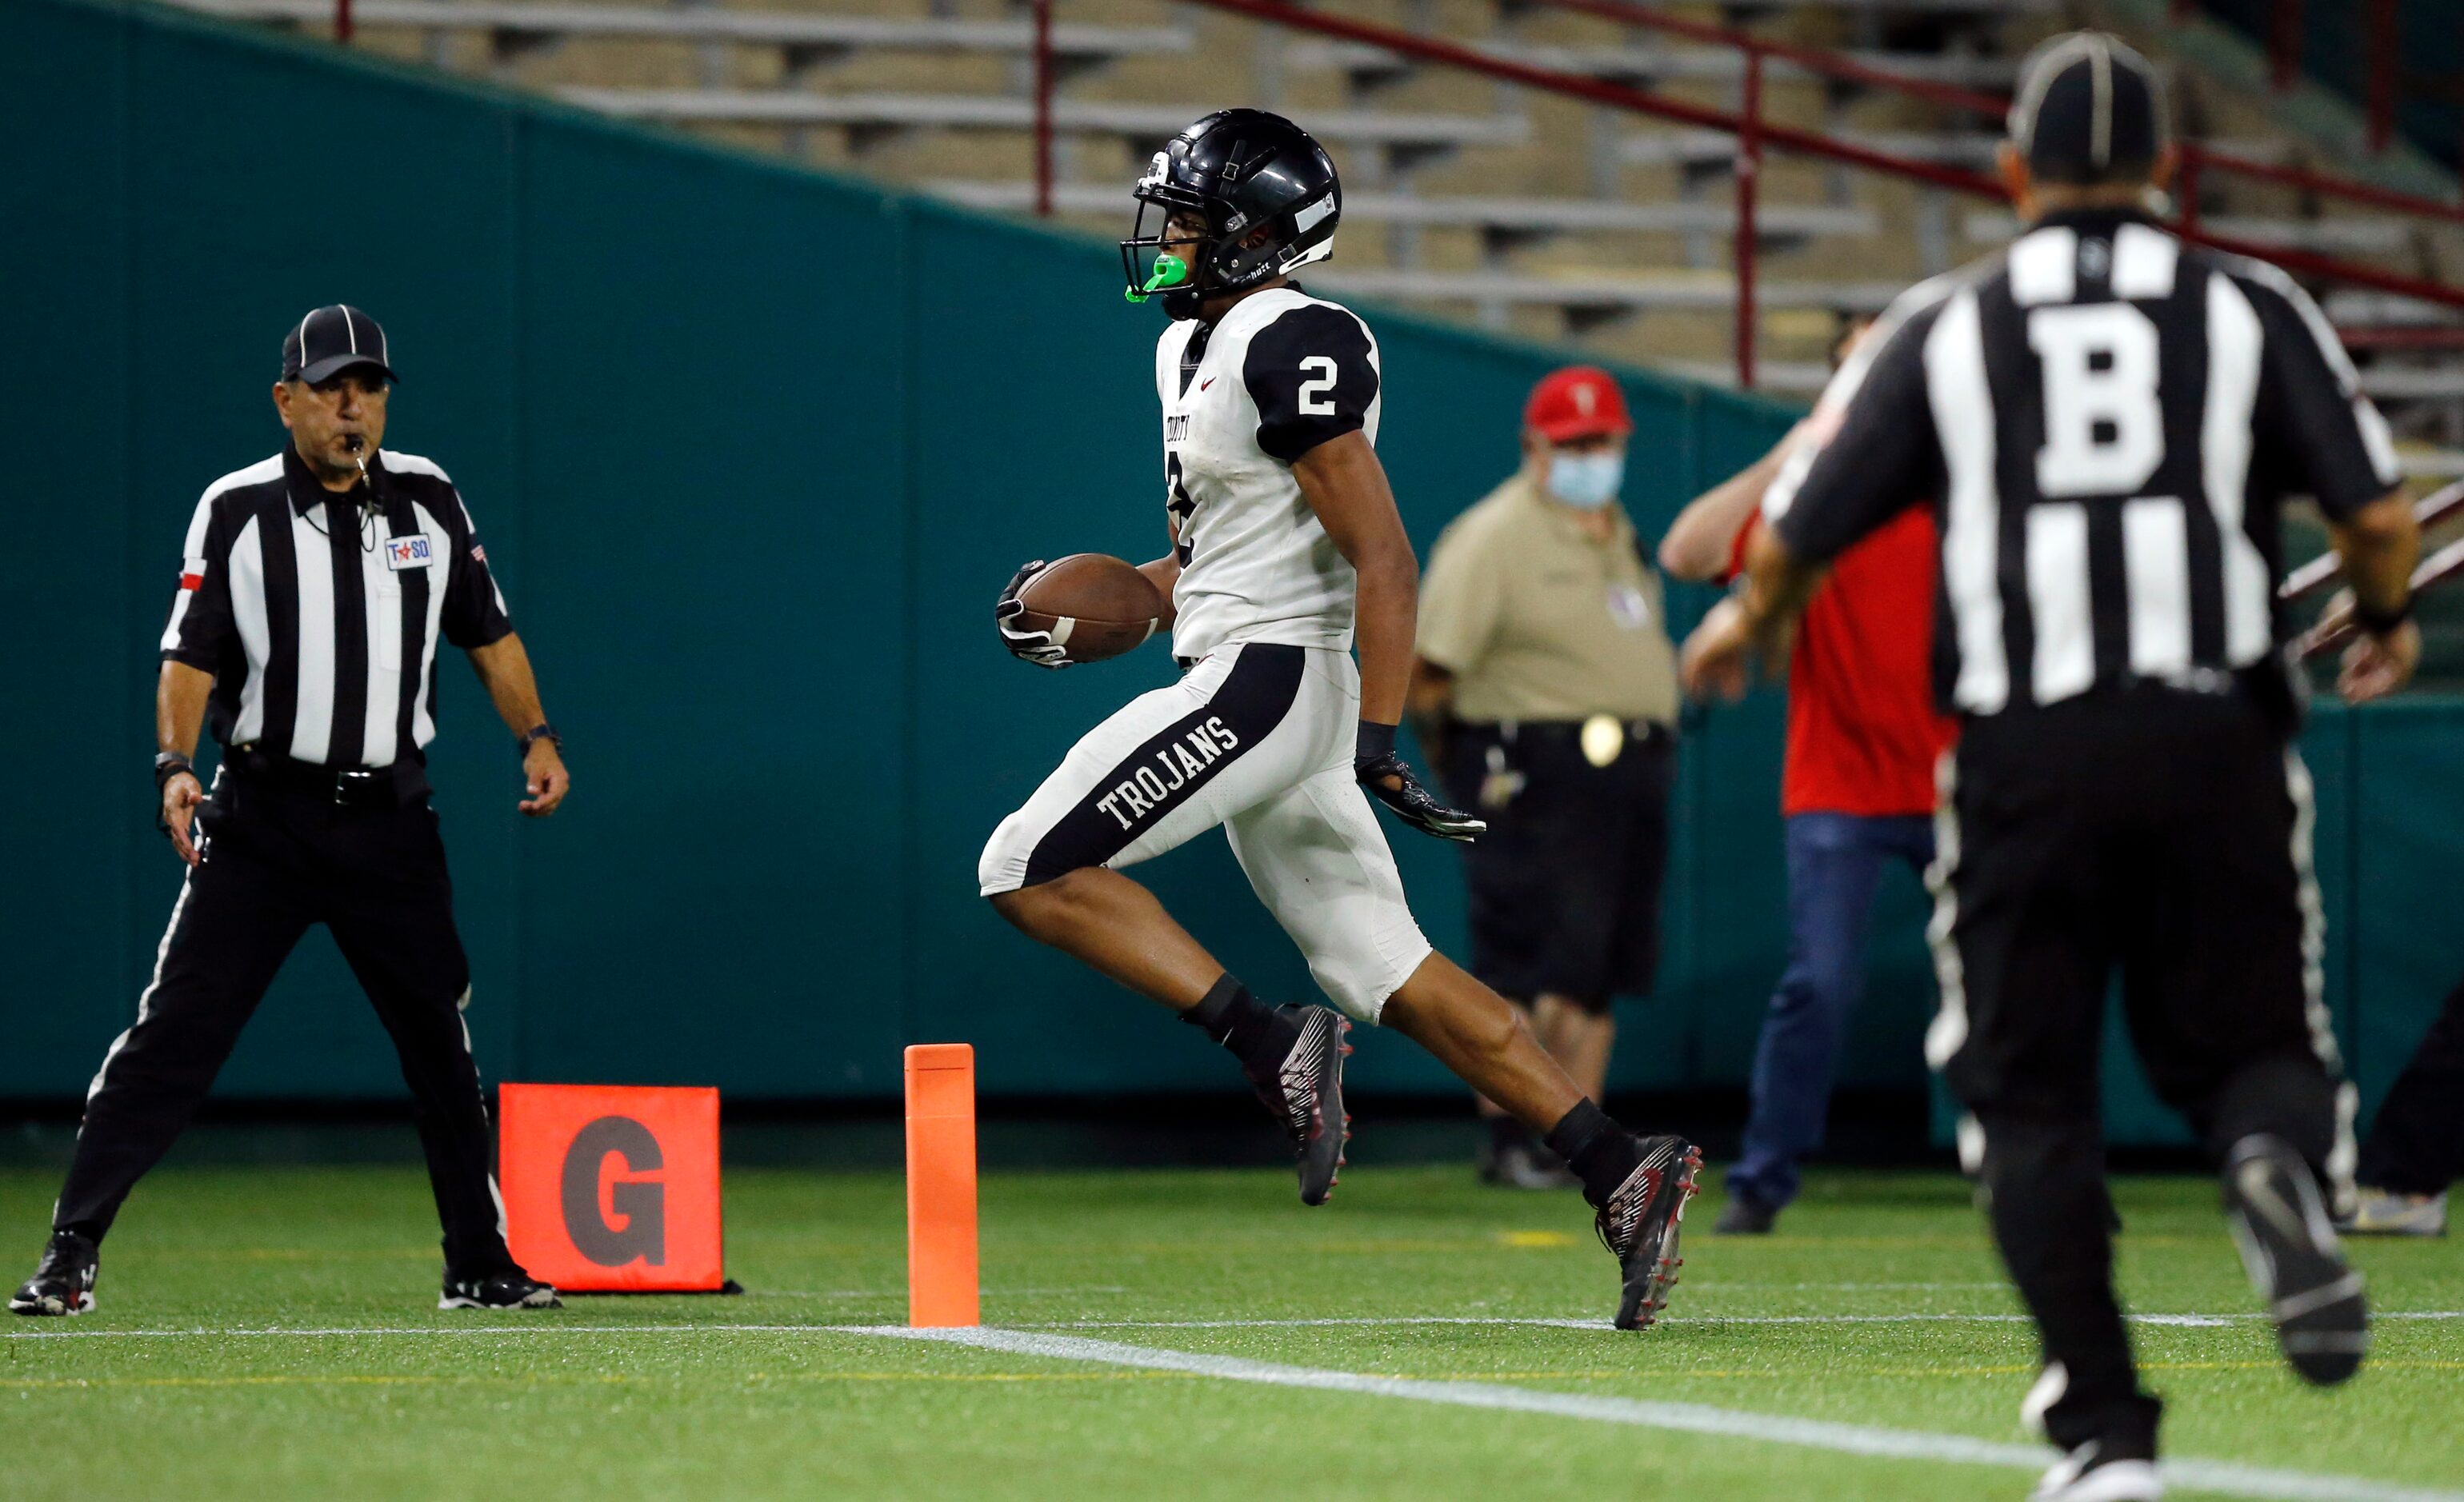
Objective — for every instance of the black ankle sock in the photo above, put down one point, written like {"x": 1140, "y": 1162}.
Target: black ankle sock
{"x": 1258, "y": 1035}
{"x": 1602, "y": 1154}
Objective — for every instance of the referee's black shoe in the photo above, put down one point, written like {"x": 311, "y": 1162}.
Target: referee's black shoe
{"x": 2288, "y": 1241}
{"x": 1639, "y": 1225}
{"x": 510, "y": 1290}
{"x": 1305, "y": 1092}
{"x": 63, "y": 1281}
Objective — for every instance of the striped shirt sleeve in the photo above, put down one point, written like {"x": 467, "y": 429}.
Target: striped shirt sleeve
{"x": 201, "y": 631}
{"x": 1869, "y": 451}
{"x": 2317, "y": 429}
{"x": 474, "y": 614}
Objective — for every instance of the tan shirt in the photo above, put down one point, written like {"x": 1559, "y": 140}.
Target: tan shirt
{"x": 1539, "y": 621}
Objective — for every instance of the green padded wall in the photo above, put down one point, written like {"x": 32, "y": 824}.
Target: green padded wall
{"x": 751, "y": 447}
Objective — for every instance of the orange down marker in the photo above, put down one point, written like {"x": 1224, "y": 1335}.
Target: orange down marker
{"x": 941, "y": 1282}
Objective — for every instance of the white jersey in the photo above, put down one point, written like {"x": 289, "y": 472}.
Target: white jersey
{"x": 1278, "y": 375}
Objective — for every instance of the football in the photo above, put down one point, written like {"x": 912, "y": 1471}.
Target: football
{"x": 1094, "y": 605}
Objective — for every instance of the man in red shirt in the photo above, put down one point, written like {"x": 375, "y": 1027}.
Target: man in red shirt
{"x": 1863, "y": 735}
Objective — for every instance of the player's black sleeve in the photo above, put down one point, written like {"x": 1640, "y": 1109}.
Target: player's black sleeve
{"x": 1314, "y": 376}
{"x": 1883, "y": 458}
{"x": 474, "y": 609}
{"x": 2317, "y": 434}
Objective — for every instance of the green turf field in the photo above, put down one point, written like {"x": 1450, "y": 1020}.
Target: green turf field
{"x": 354, "y": 1387}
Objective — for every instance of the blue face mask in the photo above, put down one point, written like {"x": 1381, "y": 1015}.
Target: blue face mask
{"x": 1587, "y": 481}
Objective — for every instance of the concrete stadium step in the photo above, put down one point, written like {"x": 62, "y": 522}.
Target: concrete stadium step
{"x": 982, "y": 112}
{"x": 1586, "y": 295}
{"x": 1369, "y": 64}
{"x": 512, "y": 26}
{"x": 1499, "y": 214}
{"x": 2340, "y": 237}
{"x": 1973, "y": 150}
{"x": 1912, "y": 7}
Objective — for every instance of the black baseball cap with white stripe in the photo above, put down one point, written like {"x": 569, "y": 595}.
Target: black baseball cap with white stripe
{"x": 2090, "y": 110}
{"x": 332, "y": 340}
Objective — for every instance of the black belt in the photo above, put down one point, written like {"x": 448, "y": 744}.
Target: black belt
{"x": 1639, "y": 732}
{"x": 344, "y": 787}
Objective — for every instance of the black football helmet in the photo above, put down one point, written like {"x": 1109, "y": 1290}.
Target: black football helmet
{"x": 1240, "y": 170}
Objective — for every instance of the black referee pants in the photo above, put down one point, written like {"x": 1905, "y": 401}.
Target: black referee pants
{"x": 2165, "y": 834}
{"x": 2416, "y": 1146}
{"x": 278, "y": 858}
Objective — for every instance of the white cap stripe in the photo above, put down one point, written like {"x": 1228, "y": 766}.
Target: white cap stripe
{"x": 2099, "y": 62}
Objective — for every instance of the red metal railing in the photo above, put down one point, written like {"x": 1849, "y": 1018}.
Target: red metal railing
{"x": 2335, "y": 625}
{"x": 1754, "y": 135}
{"x": 1043, "y": 108}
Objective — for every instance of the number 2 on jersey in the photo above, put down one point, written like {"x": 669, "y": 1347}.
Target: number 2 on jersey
{"x": 1179, "y": 506}
{"x": 1317, "y": 392}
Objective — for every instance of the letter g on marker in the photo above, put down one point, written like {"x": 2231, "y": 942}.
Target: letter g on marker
{"x": 642, "y": 1205}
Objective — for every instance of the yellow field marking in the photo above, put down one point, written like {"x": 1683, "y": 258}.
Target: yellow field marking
{"x": 1535, "y": 1238}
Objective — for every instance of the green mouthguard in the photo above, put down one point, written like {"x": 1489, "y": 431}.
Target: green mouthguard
{"x": 1170, "y": 270}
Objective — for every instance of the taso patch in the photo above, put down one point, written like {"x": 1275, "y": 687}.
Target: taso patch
{"x": 414, "y": 552}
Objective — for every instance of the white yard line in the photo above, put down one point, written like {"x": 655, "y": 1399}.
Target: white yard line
{"x": 2196, "y": 1321}
{"x": 2250, "y": 1481}
{"x": 486, "y": 1326}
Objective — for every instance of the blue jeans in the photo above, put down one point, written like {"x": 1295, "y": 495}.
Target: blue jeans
{"x": 1834, "y": 863}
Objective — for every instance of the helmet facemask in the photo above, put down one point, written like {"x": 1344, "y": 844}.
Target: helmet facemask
{"x": 1223, "y": 259}
{"x": 1149, "y": 256}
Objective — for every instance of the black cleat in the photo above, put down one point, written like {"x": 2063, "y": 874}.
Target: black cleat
{"x": 1305, "y": 1094}
{"x": 1639, "y": 1224}
{"x": 1523, "y": 1166}
{"x": 513, "y": 1290}
{"x": 1743, "y": 1215}
{"x": 2102, "y": 1472}
{"x": 63, "y": 1281}
{"x": 2281, "y": 1223}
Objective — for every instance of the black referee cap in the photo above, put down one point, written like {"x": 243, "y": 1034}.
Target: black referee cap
{"x": 332, "y": 340}
{"x": 2090, "y": 110}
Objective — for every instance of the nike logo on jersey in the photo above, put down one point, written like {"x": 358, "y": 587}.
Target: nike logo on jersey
{"x": 1183, "y": 761}
{"x": 1208, "y": 381}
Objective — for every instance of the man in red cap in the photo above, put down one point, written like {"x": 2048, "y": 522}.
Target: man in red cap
{"x": 1546, "y": 691}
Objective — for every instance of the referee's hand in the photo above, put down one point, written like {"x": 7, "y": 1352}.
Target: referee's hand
{"x": 1718, "y": 658}
{"x": 2377, "y": 667}
{"x": 545, "y": 778}
{"x": 181, "y": 795}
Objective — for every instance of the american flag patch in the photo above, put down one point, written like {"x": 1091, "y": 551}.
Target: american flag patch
{"x": 478, "y": 554}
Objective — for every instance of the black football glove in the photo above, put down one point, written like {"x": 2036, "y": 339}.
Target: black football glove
{"x": 1028, "y": 647}
{"x": 1392, "y": 783}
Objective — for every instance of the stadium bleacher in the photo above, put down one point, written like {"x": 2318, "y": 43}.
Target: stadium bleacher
{"x": 1502, "y": 204}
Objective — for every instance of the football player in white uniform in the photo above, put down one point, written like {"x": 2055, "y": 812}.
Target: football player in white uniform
{"x": 1284, "y": 539}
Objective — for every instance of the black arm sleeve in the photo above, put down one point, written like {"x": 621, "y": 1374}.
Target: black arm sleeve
{"x": 1313, "y": 375}
{"x": 2317, "y": 435}
{"x": 201, "y": 631}
{"x": 1883, "y": 458}
{"x": 475, "y": 611}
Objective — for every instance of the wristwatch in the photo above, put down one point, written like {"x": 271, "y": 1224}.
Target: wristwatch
{"x": 541, "y": 732}
{"x": 168, "y": 765}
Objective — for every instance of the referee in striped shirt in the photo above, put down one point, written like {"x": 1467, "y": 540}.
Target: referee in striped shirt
{"x": 2112, "y": 419}
{"x": 315, "y": 588}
